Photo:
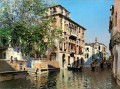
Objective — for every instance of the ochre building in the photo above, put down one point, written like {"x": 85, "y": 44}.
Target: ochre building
{"x": 70, "y": 52}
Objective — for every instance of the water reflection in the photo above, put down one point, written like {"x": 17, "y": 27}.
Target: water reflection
{"x": 64, "y": 79}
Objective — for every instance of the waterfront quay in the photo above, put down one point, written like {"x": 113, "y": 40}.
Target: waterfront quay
{"x": 65, "y": 79}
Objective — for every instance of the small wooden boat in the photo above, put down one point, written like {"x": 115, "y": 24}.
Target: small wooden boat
{"x": 75, "y": 68}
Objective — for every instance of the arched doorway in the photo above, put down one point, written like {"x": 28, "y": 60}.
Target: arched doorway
{"x": 82, "y": 61}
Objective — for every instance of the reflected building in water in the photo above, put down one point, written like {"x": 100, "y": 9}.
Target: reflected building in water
{"x": 65, "y": 79}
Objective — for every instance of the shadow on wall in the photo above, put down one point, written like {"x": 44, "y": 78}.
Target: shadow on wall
{"x": 95, "y": 57}
{"x": 89, "y": 60}
{"x": 6, "y": 66}
{"x": 78, "y": 63}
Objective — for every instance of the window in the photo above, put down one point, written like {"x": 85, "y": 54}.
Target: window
{"x": 99, "y": 48}
{"x": 68, "y": 60}
{"x": 54, "y": 10}
{"x": 87, "y": 49}
{"x": 104, "y": 49}
{"x": 60, "y": 46}
{"x": 64, "y": 33}
{"x": 86, "y": 55}
{"x": 64, "y": 47}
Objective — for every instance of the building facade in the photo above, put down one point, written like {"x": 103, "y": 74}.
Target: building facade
{"x": 95, "y": 51}
{"x": 114, "y": 29}
{"x": 70, "y": 52}
{"x": 88, "y": 54}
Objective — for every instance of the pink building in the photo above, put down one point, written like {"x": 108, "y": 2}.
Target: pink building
{"x": 114, "y": 29}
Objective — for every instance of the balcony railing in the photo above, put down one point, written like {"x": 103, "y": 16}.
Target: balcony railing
{"x": 73, "y": 34}
{"x": 72, "y": 41}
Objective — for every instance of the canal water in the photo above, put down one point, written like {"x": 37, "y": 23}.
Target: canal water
{"x": 65, "y": 79}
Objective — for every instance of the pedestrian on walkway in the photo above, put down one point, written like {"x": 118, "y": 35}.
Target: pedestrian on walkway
{"x": 108, "y": 65}
{"x": 11, "y": 59}
{"x": 93, "y": 65}
{"x": 36, "y": 71}
{"x": 102, "y": 64}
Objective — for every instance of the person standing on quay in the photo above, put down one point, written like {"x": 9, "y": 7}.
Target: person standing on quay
{"x": 93, "y": 65}
{"x": 11, "y": 59}
{"x": 102, "y": 64}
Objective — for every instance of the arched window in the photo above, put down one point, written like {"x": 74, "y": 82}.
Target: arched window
{"x": 86, "y": 55}
{"x": 99, "y": 48}
{"x": 68, "y": 60}
{"x": 60, "y": 46}
{"x": 87, "y": 49}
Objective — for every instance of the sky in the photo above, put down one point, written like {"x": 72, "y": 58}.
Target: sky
{"x": 91, "y": 14}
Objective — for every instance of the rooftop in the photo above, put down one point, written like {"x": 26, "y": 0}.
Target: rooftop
{"x": 60, "y": 6}
{"x": 92, "y": 44}
{"x": 69, "y": 20}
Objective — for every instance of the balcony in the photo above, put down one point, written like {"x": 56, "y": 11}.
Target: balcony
{"x": 72, "y": 41}
{"x": 115, "y": 39}
{"x": 73, "y": 34}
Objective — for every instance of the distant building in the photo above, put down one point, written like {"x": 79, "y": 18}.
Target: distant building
{"x": 114, "y": 29}
{"x": 88, "y": 54}
{"x": 71, "y": 51}
{"x": 95, "y": 51}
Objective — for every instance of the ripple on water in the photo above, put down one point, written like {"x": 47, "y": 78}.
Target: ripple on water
{"x": 65, "y": 80}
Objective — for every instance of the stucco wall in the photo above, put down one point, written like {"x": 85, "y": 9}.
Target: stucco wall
{"x": 90, "y": 52}
{"x": 117, "y": 11}
{"x": 116, "y": 63}
{"x": 46, "y": 65}
{"x": 13, "y": 52}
